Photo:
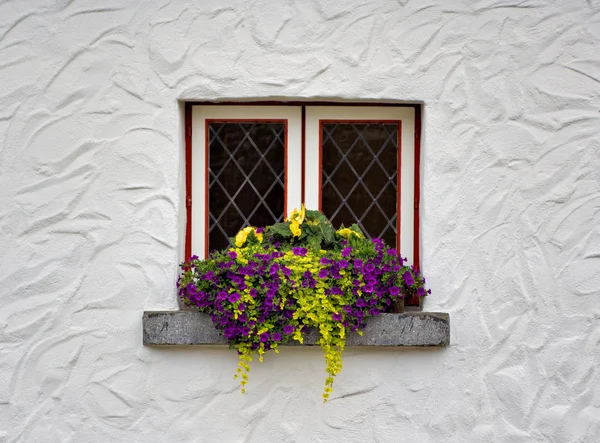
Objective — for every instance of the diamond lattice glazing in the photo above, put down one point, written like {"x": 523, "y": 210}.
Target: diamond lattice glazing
{"x": 360, "y": 176}
{"x": 246, "y": 177}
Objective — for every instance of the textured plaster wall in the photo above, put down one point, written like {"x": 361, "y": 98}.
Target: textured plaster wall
{"x": 90, "y": 217}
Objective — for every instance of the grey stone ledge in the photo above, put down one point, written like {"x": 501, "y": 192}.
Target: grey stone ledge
{"x": 186, "y": 328}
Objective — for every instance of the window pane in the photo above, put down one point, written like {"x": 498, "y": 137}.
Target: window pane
{"x": 246, "y": 178}
{"x": 360, "y": 177}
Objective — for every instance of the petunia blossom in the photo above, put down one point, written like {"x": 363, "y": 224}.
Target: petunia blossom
{"x": 264, "y": 337}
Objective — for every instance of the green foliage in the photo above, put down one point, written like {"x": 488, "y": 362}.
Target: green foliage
{"x": 279, "y": 229}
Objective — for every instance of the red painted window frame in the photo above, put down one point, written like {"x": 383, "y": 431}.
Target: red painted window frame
{"x": 303, "y": 105}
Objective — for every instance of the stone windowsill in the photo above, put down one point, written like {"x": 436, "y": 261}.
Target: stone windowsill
{"x": 185, "y": 328}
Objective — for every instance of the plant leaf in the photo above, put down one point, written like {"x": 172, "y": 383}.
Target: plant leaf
{"x": 281, "y": 229}
{"x": 314, "y": 242}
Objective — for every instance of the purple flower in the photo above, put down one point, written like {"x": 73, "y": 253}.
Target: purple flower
{"x": 374, "y": 312}
{"x": 237, "y": 280}
{"x": 276, "y": 336}
{"x": 264, "y": 337}
{"x": 336, "y": 291}
{"x": 336, "y": 316}
{"x": 233, "y": 297}
{"x": 421, "y": 291}
{"x": 253, "y": 292}
{"x": 346, "y": 251}
{"x": 391, "y": 252}
{"x": 288, "y": 329}
{"x": 193, "y": 257}
{"x": 370, "y": 267}
{"x": 360, "y": 303}
{"x": 408, "y": 278}
{"x": 343, "y": 264}
{"x": 325, "y": 261}
{"x": 299, "y": 251}
{"x": 348, "y": 309}
{"x": 260, "y": 230}
{"x": 222, "y": 295}
{"x": 394, "y": 290}
{"x": 323, "y": 273}
{"x": 232, "y": 255}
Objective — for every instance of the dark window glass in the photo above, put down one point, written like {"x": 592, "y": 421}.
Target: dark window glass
{"x": 246, "y": 178}
{"x": 360, "y": 177}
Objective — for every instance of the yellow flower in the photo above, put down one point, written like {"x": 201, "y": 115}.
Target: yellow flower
{"x": 298, "y": 216}
{"x": 240, "y": 239}
{"x": 295, "y": 228}
{"x": 347, "y": 232}
{"x": 241, "y": 236}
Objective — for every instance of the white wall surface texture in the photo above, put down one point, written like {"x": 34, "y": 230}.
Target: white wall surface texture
{"x": 90, "y": 217}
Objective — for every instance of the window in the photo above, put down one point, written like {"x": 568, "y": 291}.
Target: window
{"x": 253, "y": 163}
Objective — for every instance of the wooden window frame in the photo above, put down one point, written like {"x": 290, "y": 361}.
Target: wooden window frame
{"x": 303, "y": 105}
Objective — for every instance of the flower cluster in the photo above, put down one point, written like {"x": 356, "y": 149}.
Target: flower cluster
{"x": 276, "y": 283}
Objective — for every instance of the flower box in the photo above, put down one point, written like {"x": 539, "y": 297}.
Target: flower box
{"x": 274, "y": 284}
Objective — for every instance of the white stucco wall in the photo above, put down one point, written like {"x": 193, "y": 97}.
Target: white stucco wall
{"x": 90, "y": 217}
